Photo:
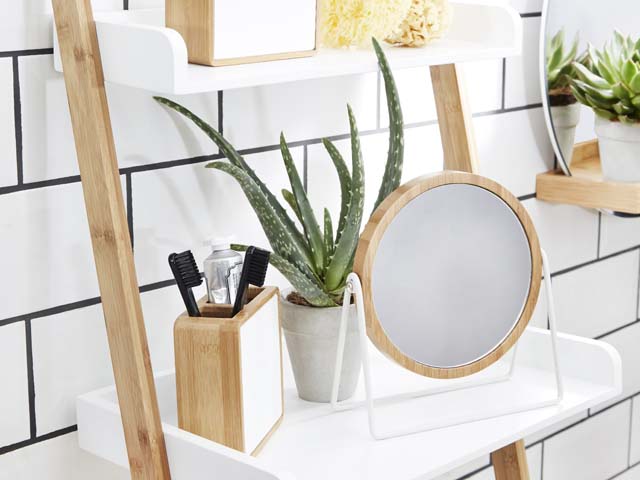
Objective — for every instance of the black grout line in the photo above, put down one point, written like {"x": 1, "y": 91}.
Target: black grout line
{"x": 616, "y": 330}
{"x": 221, "y": 112}
{"x": 125, "y": 4}
{"x": 26, "y": 53}
{"x": 249, "y": 151}
{"x": 41, "y": 438}
{"x": 129, "y": 207}
{"x": 504, "y": 83}
{"x": 528, "y": 196}
{"x": 31, "y": 389}
{"x": 501, "y": 111}
{"x": 599, "y": 234}
{"x": 531, "y": 15}
{"x": 638, "y": 292}
{"x": 17, "y": 120}
{"x": 150, "y": 287}
{"x": 596, "y": 260}
{"x": 542, "y": 461}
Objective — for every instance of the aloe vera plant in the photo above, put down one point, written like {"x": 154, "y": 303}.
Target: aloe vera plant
{"x": 609, "y": 80}
{"x": 315, "y": 257}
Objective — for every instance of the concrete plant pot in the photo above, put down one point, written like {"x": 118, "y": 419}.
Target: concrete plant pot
{"x": 619, "y": 150}
{"x": 565, "y": 120}
{"x": 312, "y": 340}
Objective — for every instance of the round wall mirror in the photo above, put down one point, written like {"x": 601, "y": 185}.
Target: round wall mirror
{"x": 568, "y": 27}
{"x": 450, "y": 267}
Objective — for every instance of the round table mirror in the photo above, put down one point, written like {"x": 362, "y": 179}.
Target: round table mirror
{"x": 450, "y": 267}
{"x": 568, "y": 27}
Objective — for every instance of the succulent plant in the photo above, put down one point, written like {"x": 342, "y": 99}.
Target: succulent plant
{"x": 560, "y": 63}
{"x": 315, "y": 259}
{"x": 609, "y": 80}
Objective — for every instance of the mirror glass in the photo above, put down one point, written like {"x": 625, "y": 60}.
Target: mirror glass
{"x": 581, "y": 22}
{"x": 466, "y": 264}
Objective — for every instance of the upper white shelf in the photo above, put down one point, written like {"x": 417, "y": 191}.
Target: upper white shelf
{"x": 137, "y": 50}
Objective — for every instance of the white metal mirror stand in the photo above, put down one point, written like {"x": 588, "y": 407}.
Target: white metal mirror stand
{"x": 354, "y": 287}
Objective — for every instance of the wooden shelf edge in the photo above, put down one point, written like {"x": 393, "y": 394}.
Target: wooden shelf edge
{"x": 554, "y": 186}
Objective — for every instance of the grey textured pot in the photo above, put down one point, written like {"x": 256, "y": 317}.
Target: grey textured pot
{"x": 312, "y": 340}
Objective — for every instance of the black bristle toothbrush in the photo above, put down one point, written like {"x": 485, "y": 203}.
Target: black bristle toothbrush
{"x": 185, "y": 271}
{"x": 254, "y": 271}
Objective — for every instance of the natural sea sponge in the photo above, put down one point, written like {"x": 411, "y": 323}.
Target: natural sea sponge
{"x": 346, "y": 23}
{"x": 426, "y": 21}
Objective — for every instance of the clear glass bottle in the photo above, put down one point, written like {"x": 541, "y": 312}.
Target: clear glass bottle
{"x": 222, "y": 271}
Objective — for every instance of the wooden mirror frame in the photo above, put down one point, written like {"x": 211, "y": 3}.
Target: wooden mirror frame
{"x": 370, "y": 241}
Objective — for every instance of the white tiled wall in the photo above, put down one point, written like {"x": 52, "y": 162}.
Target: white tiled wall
{"x": 49, "y": 281}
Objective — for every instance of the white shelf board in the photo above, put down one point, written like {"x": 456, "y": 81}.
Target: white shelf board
{"x": 138, "y": 51}
{"x": 314, "y": 443}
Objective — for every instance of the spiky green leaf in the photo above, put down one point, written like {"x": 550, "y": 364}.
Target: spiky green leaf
{"x": 345, "y": 183}
{"x": 328, "y": 237}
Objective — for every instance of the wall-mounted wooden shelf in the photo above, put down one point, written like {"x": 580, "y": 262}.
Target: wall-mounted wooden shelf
{"x": 586, "y": 187}
{"x": 138, "y": 51}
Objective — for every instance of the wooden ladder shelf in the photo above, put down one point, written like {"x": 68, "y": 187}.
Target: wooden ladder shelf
{"x": 84, "y": 79}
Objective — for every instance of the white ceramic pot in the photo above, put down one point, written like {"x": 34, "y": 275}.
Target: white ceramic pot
{"x": 565, "y": 120}
{"x": 619, "y": 150}
{"x": 312, "y": 341}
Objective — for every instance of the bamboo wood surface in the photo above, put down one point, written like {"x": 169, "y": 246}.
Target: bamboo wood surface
{"x": 373, "y": 234}
{"x": 209, "y": 371}
{"x": 510, "y": 462}
{"x": 586, "y": 187}
{"x": 110, "y": 239}
{"x": 454, "y": 119}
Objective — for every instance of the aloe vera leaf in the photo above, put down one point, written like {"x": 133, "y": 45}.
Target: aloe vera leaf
{"x": 589, "y": 77}
{"x": 393, "y": 168}
{"x": 308, "y": 288}
{"x": 345, "y": 183}
{"x": 235, "y": 158}
{"x": 291, "y": 201}
{"x": 337, "y": 270}
{"x": 328, "y": 237}
{"x": 307, "y": 217}
{"x": 280, "y": 236}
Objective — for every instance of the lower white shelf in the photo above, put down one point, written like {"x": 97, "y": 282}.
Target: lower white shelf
{"x": 315, "y": 443}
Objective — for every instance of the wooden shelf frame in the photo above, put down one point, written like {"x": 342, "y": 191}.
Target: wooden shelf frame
{"x": 586, "y": 187}
{"x": 121, "y": 48}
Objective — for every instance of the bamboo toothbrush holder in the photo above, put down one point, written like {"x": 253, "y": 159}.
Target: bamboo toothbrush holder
{"x": 229, "y": 371}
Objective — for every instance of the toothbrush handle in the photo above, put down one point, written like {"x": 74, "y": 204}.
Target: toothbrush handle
{"x": 191, "y": 304}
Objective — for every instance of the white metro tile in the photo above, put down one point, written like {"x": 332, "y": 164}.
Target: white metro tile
{"x": 513, "y": 148}
{"x": 618, "y": 233}
{"x": 592, "y": 450}
{"x": 70, "y": 357}
{"x": 309, "y": 109}
{"x": 25, "y": 25}
{"x": 568, "y": 234}
{"x": 423, "y": 155}
{"x": 634, "y": 455}
{"x": 178, "y": 208}
{"x": 522, "y": 85}
{"x": 483, "y": 82}
{"x": 527, "y": 6}
{"x": 416, "y": 96}
{"x": 626, "y": 342}
{"x": 58, "y": 459}
{"x": 46, "y": 232}
{"x": 144, "y": 131}
{"x": 8, "y": 165}
{"x": 14, "y": 401}
{"x": 631, "y": 474}
{"x": 71, "y": 354}
{"x": 598, "y": 298}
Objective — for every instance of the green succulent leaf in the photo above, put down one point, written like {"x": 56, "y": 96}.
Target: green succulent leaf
{"x": 328, "y": 237}
{"x": 307, "y": 217}
{"x": 393, "y": 168}
{"x": 291, "y": 201}
{"x": 589, "y": 77}
{"x": 606, "y": 114}
{"x": 345, "y": 248}
{"x": 345, "y": 183}
{"x": 629, "y": 71}
{"x": 635, "y": 84}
